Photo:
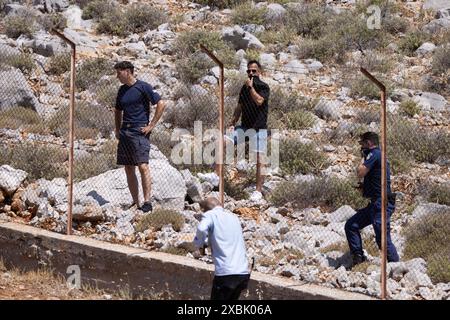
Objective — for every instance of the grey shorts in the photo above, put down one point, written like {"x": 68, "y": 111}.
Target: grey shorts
{"x": 134, "y": 147}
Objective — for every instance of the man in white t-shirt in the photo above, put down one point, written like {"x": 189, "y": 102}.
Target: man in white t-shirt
{"x": 221, "y": 230}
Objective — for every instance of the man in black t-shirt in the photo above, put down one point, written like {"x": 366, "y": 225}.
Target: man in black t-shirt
{"x": 253, "y": 106}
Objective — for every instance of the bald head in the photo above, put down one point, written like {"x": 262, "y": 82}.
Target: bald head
{"x": 209, "y": 203}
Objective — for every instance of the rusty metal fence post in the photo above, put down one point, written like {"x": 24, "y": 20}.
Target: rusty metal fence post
{"x": 71, "y": 127}
{"x": 383, "y": 131}
{"x": 221, "y": 120}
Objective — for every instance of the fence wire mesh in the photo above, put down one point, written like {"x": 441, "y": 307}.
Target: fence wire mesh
{"x": 297, "y": 226}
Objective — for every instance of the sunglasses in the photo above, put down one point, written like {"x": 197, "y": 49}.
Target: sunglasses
{"x": 252, "y": 71}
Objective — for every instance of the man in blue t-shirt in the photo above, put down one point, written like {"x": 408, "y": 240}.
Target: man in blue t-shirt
{"x": 132, "y": 112}
{"x": 370, "y": 170}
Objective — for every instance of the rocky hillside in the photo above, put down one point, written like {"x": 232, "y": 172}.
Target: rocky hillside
{"x": 311, "y": 52}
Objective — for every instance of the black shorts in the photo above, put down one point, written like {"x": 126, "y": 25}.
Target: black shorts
{"x": 134, "y": 147}
{"x": 229, "y": 287}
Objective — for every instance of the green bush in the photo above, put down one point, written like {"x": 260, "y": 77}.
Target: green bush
{"x": 343, "y": 32}
{"x": 193, "y": 67}
{"x": 18, "y": 25}
{"x": 236, "y": 188}
{"x": 409, "y": 108}
{"x": 107, "y": 92}
{"x": 22, "y": 118}
{"x": 297, "y": 157}
{"x": 323, "y": 49}
{"x": 24, "y": 61}
{"x": 97, "y": 9}
{"x": 38, "y": 160}
{"x": 363, "y": 87}
{"x": 59, "y": 63}
{"x": 441, "y": 60}
{"x": 193, "y": 64}
{"x": 159, "y": 218}
{"x": 143, "y": 17}
{"x": 423, "y": 144}
{"x": 198, "y": 107}
{"x": 53, "y": 21}
{"x": 294, "y": 120}
{"x": 97, "y": 118}
{"x": 135, "y": 19}
{"x": 427, "y": 238}
{"x": 221, "y": 4}
{"x": 96, "y": 163}
{"x": 188, "y": 43}
{"x": 279, "y": 38}
{"x": 90, "y": 71}
{"x": 113, "y": 23}
{"x": 400, "y": 160}
{"x": 308, "y": 20}
{"x": 412, "y": 41}
{"x": 439, "y": 193}
{"x": 367, "y": 116}
{"x": 328, "y": 193}
{"x": 247, "y": 13}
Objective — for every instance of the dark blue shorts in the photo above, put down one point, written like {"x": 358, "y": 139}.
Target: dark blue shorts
{"x": 134, "y": 147}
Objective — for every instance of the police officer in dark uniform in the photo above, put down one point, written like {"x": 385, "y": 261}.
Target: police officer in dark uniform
{"x": 132, "y": 112}
{"x": 370, "y": 170}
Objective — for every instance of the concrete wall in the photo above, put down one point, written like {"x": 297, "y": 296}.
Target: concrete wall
{"x": 144, "y": 273}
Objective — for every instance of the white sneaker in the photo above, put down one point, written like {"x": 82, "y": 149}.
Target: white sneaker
{"x": 256, "y": 196}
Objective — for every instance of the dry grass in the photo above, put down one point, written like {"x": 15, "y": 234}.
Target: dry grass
{"x": 159, "y": 218}
{"x": 328, "y": 193}
{"x": 289, "y": 254}
{"x": 338, "y": 246}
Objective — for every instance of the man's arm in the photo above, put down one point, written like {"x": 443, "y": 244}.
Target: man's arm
{"x": 160, "y": 106}
{"x": 256, "y": 97}
{"x": 117, "y": 121}
{"x": 203, "y": 228}
{"x": 362, "y": 171}
{"x": 259, "y": 100}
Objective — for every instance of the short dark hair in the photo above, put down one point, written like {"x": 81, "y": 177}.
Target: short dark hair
{"x": 254, "y": 62}
{"x": 370, "y": 136}
{"x": 123, "y": 65}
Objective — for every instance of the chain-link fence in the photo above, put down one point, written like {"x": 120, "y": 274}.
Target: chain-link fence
{"x": 294, "y": 208}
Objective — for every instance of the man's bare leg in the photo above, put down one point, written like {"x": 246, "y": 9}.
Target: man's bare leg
{"x": 146, "y": 178}
{"x": 132, "y": 183}
{"x": 259, "y": 176}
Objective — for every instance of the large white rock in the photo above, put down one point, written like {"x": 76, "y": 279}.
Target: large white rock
{"x": 275, "y": 12}
{"x": 428, "y": 209}
{"x": 425, "y": 48}
{"x": 241, "y": 39}
{"x": 168, "y": 186}
{"x": 47, "y": 45}
{"x": 11, "y": 179}
{"x": 17, "y": 92}
{"x": 342, "y": 214}
{"x": 328, "y": 109}
{"x": 295, "y": 66}
{"x": 430, "y": 101}
{"x": 436, "y": 4}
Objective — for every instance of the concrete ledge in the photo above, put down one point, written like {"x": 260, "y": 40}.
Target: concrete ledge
{"x": 113, "y": 266}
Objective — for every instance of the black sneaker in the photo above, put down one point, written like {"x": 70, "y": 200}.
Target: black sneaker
{"x": 357, "y": 259}
{"x": 146, "y": 207}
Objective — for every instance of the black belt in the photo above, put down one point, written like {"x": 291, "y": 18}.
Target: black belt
{"x": 133, "y": 125}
